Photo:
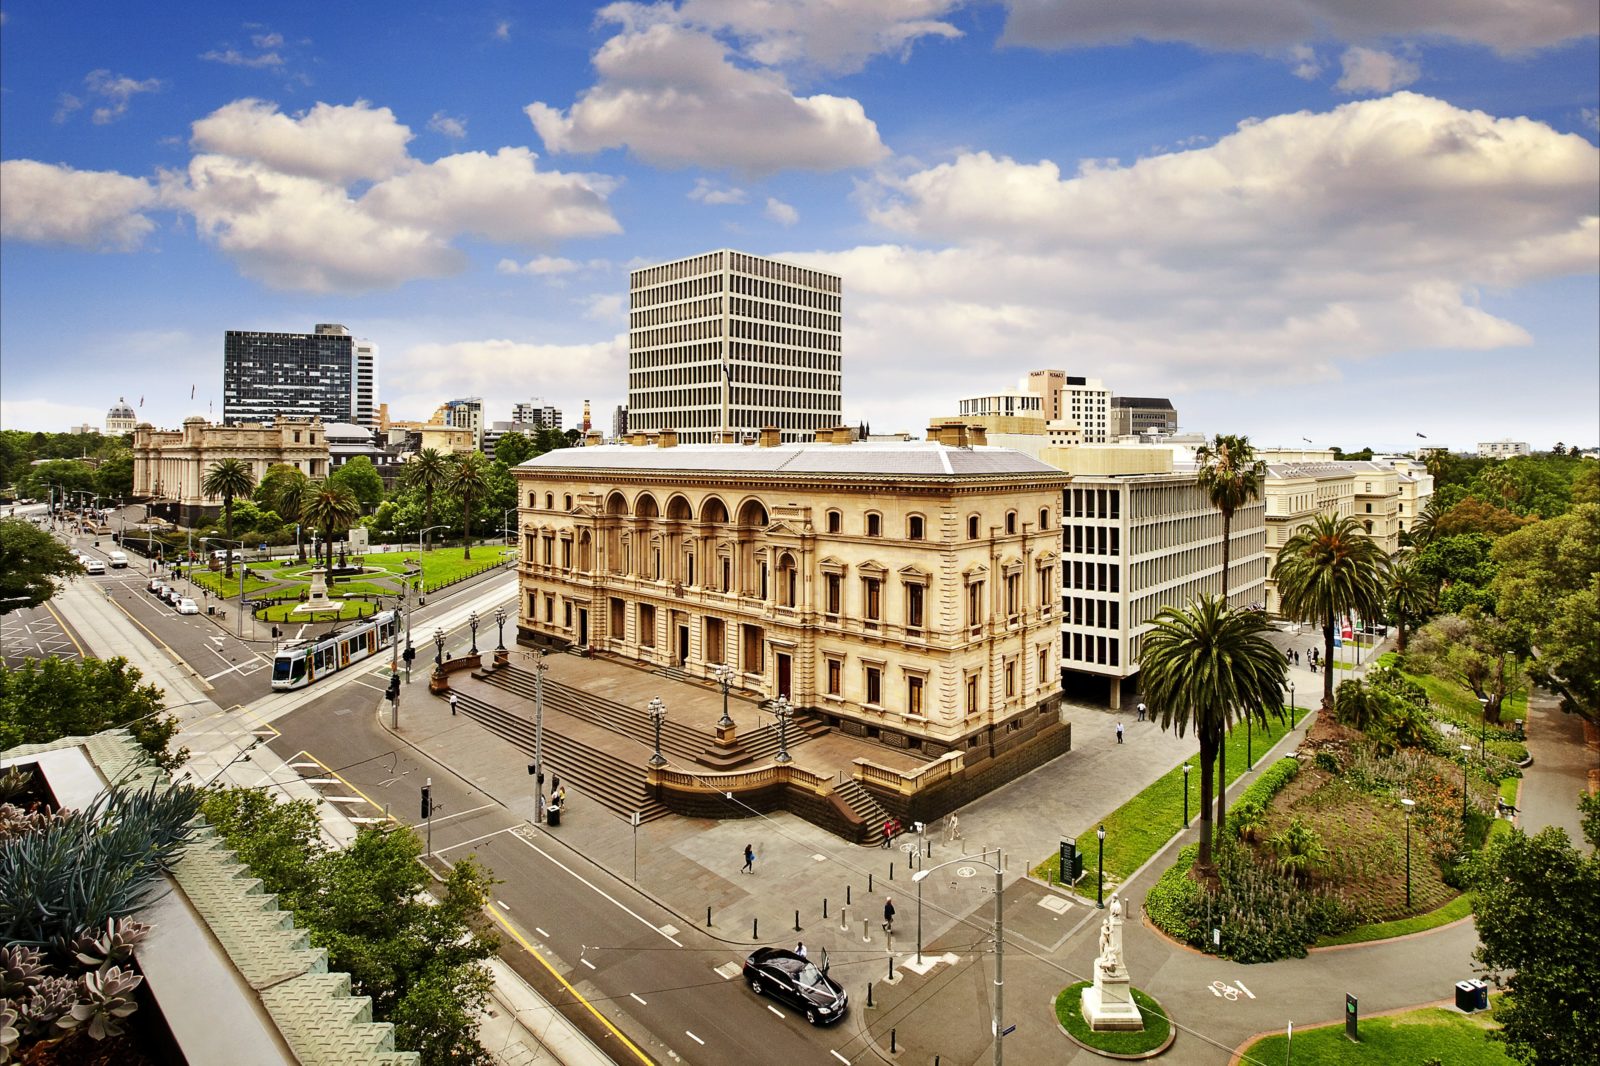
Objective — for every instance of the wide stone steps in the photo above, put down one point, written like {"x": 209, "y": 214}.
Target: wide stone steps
{"x": 868, "y": 809}
{"x": 677, "y": 740}
{"x": 599, "y": 775}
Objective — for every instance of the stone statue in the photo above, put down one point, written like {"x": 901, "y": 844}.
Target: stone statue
{"x": 1108, "y": 1004}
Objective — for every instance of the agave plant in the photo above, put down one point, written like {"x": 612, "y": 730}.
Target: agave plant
{"x": 14, "y": 782}
{"x": 107, "y": 998}
{"x": 1300, "y": 850}
{"x": 40, "y": 1014}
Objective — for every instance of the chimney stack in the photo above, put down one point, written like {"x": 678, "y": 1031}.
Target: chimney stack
{"x": 770, "y": 437}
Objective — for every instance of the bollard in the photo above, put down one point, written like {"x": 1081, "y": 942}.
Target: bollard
{"x": 847, "y": 895}
{"x": 755, "y": 928}
{"x": 869, "y": 882}
{"x": 893, "y": 1049}
{"x": 797, "y": 921}
{"x": 930, "y": 855}
{"x": 824, "y": 908}
{"x": 866, "y": 930}
{"x": 869, "y": 993}
{"x": 891, "y": 871}
{"x": 844, "y": 919}
{"x": 708, "y": 917}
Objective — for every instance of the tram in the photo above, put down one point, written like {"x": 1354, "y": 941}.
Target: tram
{"x": 300, "y": 662}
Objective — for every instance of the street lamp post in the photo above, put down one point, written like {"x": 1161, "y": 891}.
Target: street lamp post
{"x": 240, "y": 545}
{"x": 658, "y": 714}
{"x": 1466, "y": 753}
{"x": 1249, "y": 741}
{"x": 1185, "y": 795}
{"x": 438, "y": 655}
{"x": 423, "y": 533}
{"x": 1100, "y": 867}
{"x": 472, "y": 624}
{"x": 539, "y": 667}
{"x": 500, "y": 628}
{"x": 997, "y": 1023}
{"x": 1408, "y": 804}
{"x": 782, "y": 710}
{"x": 1483, "y": 725}
{"x": 724, "y": 674}
{"x": 1292, "y": 708}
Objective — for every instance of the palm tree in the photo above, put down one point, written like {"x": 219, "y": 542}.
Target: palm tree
{"x": 470, "y": 481}
{"x": 291, "y": 489}
{"x": 331, "y": 508}
{"x": 430, "y": 472}
{"x": 228, "y": 478}
{"x": 1231, "y": 476}
{"x": 1329, "y": 568}
{"x": 1204, "y": 668}
{"x": 1407, "y": 593}
{"x": 1427, "y": 523}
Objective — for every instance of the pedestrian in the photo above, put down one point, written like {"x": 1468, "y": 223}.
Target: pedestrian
{"x": 888, "y": 832}
{"x": 555, "y": 782}
{"x": 800, "y": 949}
{"x": 888, "y": 915}
{"x": 1141, "y": 712}
{"x": 749, "y": 860}
{"x": 452, "y": 704}
{"x": 953, "y": 828}
{"x": 561, "y": 796}
{"x": 1119, "y": 732}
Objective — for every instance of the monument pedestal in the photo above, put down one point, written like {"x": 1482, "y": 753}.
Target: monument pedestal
{"x": 317, "y": 599}
{"x": 1108, "y": 1004}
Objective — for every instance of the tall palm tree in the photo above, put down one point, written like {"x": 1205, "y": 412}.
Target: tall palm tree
{"x": 1329, "y": 568}
{"x": 1426, "y": 524}
{"x": 291, "y": 490}
{"x": 1407, "y": 593}
{"x": 429, "y": 471}
{"x": 331, "y": 508}
{"x": 470, "y": 480}
{"x": 228, "y": 478}
{"x": 1203, "y": 668}
{"x": 1231, "y": 477}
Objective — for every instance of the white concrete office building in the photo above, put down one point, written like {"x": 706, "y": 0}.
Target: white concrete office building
{"x": 724, "y": 344}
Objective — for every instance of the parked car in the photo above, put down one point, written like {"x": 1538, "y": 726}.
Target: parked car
{"x": 172, "y": 596}
{"x": 188, "y": 606}
{"x": 118, "y": 559}
{"x": 795, "y": 980}
{"x": 157, "y": 586}
{"x": 94, "y": 566}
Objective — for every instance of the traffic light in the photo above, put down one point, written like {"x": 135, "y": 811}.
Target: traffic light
{"x": 427, "y": 802}
{"x": 394, "y": 688}
{"x": 409, "y": 655}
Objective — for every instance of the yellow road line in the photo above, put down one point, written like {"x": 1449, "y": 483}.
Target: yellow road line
{"x": 62, "y": 622}
{"x": 331, "y": 772}
{"x": 601, "y": 1018}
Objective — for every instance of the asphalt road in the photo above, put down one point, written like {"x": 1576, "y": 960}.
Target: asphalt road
{"x": 675, "y": 993}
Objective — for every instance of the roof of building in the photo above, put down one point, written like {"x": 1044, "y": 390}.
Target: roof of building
{"x": 120, "y": 409}
{"x": 1140, "y": 401}
{"x": 346, "y": 431}
{"x": 871, "y": 459}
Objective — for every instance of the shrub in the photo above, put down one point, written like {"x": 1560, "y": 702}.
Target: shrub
{"x": 1326, "y": 762}
{"x": 1300, "y": 850}
{"x": 1173, "y": 902}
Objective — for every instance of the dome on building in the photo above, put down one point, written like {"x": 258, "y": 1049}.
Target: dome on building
{"x": 120, "y": 410}
{"x": 120, "y": 419}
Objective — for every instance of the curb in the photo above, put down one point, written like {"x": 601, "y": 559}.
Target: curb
{"x": 1238, "y": 1052}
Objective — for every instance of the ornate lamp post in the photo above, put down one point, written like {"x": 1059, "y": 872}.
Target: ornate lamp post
{"x": 783, "y": 710}
{"x": 500, "y": 627}
{"x": 1408, "y": 804}
{"x": 1100, "y": 869}
{"x": 658, "y": 714}
{"x": 1292, "y": 707}
{"x": 1186, "y": 795}
{"x": 438, "y": 642}
{"x": 724, "y": 674}
{"x": 472, "y": 623}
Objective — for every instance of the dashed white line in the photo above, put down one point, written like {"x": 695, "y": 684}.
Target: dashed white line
{"x": 696, "y": 1039}
{"x": 503, "y": 904}
{"x": 775, "y": 1010}
{"x": 541, "y": 932}
{"x": 635, "y": 995}
{"x": 587, "y": 963}
{"x": 600, "y": 892}
{"x": 475, "y": 840}
{"x": 838, "y": 1056}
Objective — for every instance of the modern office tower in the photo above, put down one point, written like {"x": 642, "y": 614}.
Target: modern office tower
{"x": 723, "y": 344}
{"x": 1069, "y": 398}
{"x": 1046, "y": 384}
{"x": 1132, "y": 415}
{"x": 533, "y": 413}
{"x": 1503, "y": 448}
{"x": 328, "y": 374}
{"x": 619, "y": 422}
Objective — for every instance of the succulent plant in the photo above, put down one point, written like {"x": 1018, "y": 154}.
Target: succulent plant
{"x": 113, "y": 945}
{"x": 107, "y": 998}
{"x": 14, "y": 782}
{"x": 10, "y": 1036}
{"x": 51, "y": 1001}
{"x": 21, "y": 969}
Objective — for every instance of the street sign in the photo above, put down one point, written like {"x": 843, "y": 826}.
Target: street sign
{"x": 1350, "y": 1018}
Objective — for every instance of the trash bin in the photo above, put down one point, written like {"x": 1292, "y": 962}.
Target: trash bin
{"x": 553, "y": 816}
{"x": 1472, "y": 996}
{"x": 211, "y": 610}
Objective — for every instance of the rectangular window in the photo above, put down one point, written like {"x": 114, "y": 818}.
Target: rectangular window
{"x": 566, "y": 554}
{"x": 619, "y": 618}
{"x": 716, "y": 646}
{"x": 873, "y": 609}
{"x": 975, "y": 605}
{"x": 754, "y": 650}
{"x": 834, "y": 593}
{"x": 1012, "y": 605}
{"x": 914, "y": 606}
{"x": 647, "y": 625}
{"x": 874, "y": 685}
{"x": 549, "y": 608}
{"x": 835, "y": 676}
{"x": 567, "y": 604}
{"x": 972, "y": 693}
{"x": 914, "y": 695}
{"x": 1044, "y": 667}
{"x": 1011, "y": 679}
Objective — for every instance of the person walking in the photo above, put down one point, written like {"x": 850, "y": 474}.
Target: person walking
{"x": 452, "y": 704}
{"x": 1141, "y": 712}
{"x": 749, "y": 860}
{"x": 1119, "y": 732}
{"x": 888, "y": 915}
{"x": 888, "y": 833}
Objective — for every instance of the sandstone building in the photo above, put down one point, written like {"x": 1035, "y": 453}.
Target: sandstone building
{"x": 169, "y": 465}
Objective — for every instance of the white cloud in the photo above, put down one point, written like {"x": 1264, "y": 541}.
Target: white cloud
{"x": 499, "y": 367}
{"x": 118, "y": 90}
{"x": 50, "y": 204}
{"x": 1367, "y": 70}
{"x": 267, "y": 40}
{"x": 232, "y": 57}
{"x": 1304, "y": 62}
{"x": 781, "y": 213}
{"x": 332, "y": 142}
{"x": 1590, "y": 117}
{"x": 715, "y": 194}
{"x": 448, "y": 125}
{"x": 674, "y": 98}
{"x": 605, "y": 307}
{"x": 1289, "y": 247}
{"x": 1505, "y": 25}
{"x": 502, "y": 30}
{"x": 830, "y": 35}
{"x": 539, "y": 266}
{"x": 66, "y": 105}
{"x": 45, "y": 414}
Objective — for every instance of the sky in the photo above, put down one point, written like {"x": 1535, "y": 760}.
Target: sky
{"x": 1326, "y": 220}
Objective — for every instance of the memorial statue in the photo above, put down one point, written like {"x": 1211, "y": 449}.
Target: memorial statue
{"x": 1108, "y": 1004}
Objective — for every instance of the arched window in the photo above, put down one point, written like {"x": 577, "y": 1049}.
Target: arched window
{"x": 1044, "y": 518}
{"x": 835, "y": 522}
{"x": 566, "y": 502}
{"x": 549, "y": 501}
{"x": 914, "y": 527}
{"x": 972, "y": 527}
{"x": 874, "y": 524}
{"x": 1011, "y": 521}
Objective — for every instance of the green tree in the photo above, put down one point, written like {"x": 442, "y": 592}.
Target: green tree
{"x": 1586, "y": 487}
{"x": 469, "y": 480}
{"x": 30, "y": 561}
{"x": 1328, "y": 569}
{"x": 1203, "y": 668}
{"x": 513, "y": 449}
{"x": 1473, "y": 515}
{"x": 1461, "y": 569}
{"x": 1475, "y": 650}
{"x": 46, "y": 699}
{"x": 279, "y": 841}
{"x": 1230, "y": 475}
{"x": 1408, "y": 594}
{"x": 286, "y": 489}
{"x": 362, "y": 479}
{"x": 330, "y": 509}
{"x": 1548, "y": 584}
{"x": 69, "y": 476}
{"x": 428, "y": 472}
{"x": 228, "y": 478}
{"x": 1535, "y": 908}
{"x": 114, "y": 476}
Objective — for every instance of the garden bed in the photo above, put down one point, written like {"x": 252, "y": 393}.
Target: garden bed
{"x": 1154, "y": 1038}
{"x": 1433, "y": 1034}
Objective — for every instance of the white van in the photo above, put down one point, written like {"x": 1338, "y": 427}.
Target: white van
{"x": 118, "y": 559}
{"x": 221, "y": 555}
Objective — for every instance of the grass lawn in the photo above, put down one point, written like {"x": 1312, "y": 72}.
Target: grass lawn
{"x": 284, "y": 612}
{"x": 1442, "y": 693}
{"x": 441, "y": 564}
{"x": 1459, "y": 907}
{"x": 1433, "y": 1033}
{"x": 228, "y": 588}
{"x": 1139, "y": 828}
{"x": 1152, "y": 1036}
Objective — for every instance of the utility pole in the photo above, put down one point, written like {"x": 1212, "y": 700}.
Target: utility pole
{"x": 539, "y": 668}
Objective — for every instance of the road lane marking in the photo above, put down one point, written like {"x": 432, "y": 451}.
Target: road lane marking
{"x": 474, "y": 840}
{"x": 775, "y": 1010}
{"x": 331, "y": 773}
{"x": 600, "y": 891}
{"x": 67, "y": 631}
{"x": 345, "y": 799}
{"x": 587, "y": 963}
{"x": 690, "y": 1034}
{"x": 590, "y": 1007}
{"x": 838, "y": 1056}
{"x": 541, "y": 932}
{"x": 463, "y": 814}
{"x": 635, "y": 995}
{"x": 503, "y": 904}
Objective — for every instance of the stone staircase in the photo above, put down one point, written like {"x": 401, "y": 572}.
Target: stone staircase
{"x": 859, "y": 800}
{"x": 599, "y": 775}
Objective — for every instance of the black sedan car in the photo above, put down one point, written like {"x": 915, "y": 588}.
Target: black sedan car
{"x": 791, "y": 979}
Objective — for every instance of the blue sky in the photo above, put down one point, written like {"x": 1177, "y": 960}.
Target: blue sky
{"x": 1296, "y": 218}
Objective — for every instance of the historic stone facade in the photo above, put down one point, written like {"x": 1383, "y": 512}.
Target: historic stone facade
{"x": 169, "y": 465}
{"x": 905, "y": 592}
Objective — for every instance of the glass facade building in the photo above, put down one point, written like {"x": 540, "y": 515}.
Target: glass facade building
{"x": 327, "y": 374}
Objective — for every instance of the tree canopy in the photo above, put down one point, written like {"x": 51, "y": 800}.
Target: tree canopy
{"x": 362, "y": 479}
{"x": 46, "y": 699}
{"x": 1327, "y": 570}
{"x": 30, "y": 561}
